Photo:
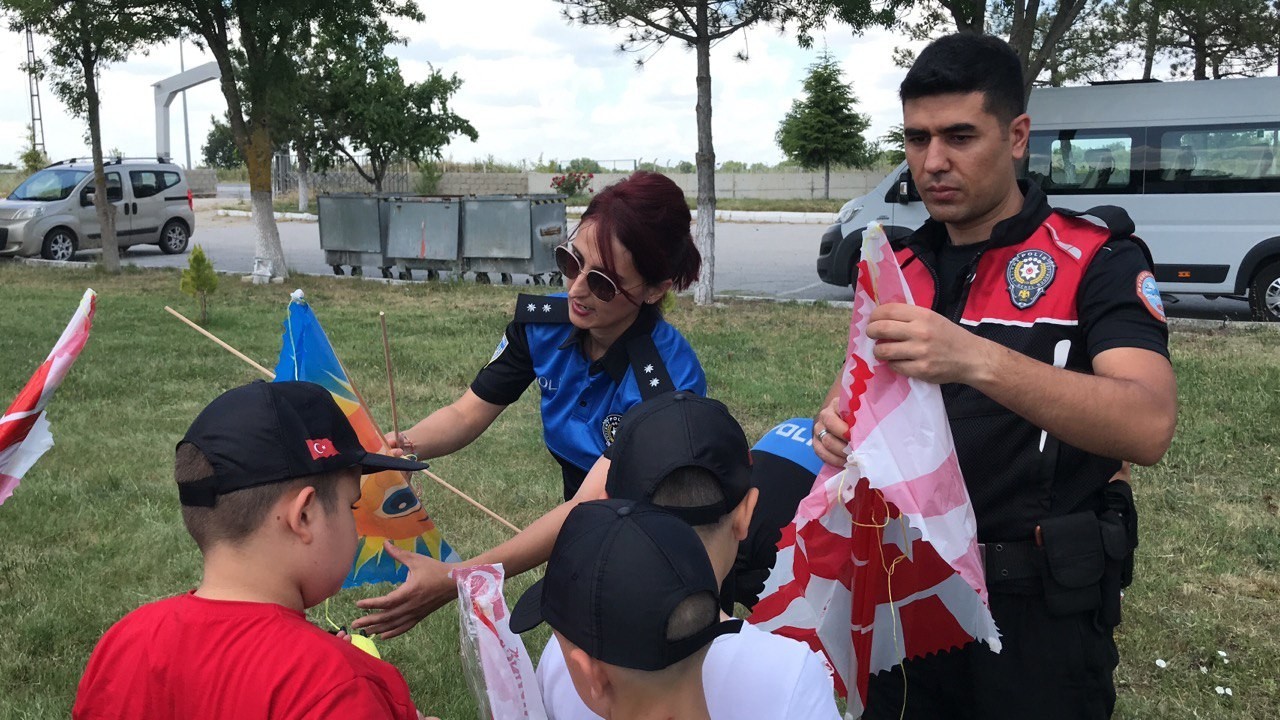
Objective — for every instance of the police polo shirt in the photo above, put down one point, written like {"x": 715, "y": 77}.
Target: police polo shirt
{"x": 583, "y": 400}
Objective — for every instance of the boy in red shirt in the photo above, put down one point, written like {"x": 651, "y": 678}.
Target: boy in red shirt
{"x": 267, "y": 475}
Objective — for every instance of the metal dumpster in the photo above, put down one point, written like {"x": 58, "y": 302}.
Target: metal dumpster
{"x": 353, "y": 231}
{"x": 512, "y": 234}
{"x": 422, "y": 234}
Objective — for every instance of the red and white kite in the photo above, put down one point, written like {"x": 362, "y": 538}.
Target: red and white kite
{"x": 24, "y": 431}
{"x": 881, "y": 562}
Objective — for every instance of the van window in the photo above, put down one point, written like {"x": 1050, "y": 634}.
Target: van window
{"x": 49, "y": 184}
{"x": 151, "y": 182}
{"x": 115, "y": 192}
{"x": 1216, "y": 158}
{"x": 1071, "y": 162}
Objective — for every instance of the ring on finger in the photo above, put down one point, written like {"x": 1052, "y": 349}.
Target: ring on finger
{"x": 822, "y": 433}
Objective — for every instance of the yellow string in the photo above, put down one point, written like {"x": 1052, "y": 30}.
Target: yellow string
{"x": 899, "y": 642}
{"x": 332, "y": 624}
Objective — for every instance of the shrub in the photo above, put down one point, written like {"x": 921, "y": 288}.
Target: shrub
{"x": 573, "y": 183}
{"x": 198, "y": 280}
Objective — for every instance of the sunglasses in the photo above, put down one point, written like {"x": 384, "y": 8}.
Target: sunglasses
{"x": 601, "y": 285}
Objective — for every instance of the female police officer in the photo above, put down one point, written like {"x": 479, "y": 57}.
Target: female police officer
{"x": 594, "y": 352}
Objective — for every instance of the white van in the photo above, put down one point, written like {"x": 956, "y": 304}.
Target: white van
{"x": 1196, "y": 164}
{"x": 52, "y": 213}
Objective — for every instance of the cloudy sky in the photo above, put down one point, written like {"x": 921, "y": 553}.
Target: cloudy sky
{"x": 533, "y": 87}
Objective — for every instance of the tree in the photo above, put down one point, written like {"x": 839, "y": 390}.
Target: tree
{"x": 257, "y": 45}
{"x": 84, "y": 37}
{"x": 698, "y": 24}
{"x": 358, "y": 102}
{"x": 199, "y": 280}
{"x": 1209, "y": 38}
{"x": 1095, "y": 47}
{"x": 220, "y": 149}
{"x": 894, "y": 145}
{"x": 32, "y": 158}
{"x": 584, "y": 165}
{"x": 1017, "y": 20}
{"x": 822, "y": 128}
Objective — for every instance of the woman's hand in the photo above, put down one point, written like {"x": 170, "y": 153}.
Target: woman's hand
{"x": 427, "y": 588}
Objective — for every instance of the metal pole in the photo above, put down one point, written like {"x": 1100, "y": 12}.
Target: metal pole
{"x": 186, "y": 128}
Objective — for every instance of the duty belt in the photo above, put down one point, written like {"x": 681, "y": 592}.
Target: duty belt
{"x": 1011, "y": 560}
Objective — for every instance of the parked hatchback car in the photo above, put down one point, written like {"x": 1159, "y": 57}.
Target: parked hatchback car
{"x": 52, "y": 213}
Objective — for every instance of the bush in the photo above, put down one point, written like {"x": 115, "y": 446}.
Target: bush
{"x": 198, "y": 280}
{"x": 573, "y": 183}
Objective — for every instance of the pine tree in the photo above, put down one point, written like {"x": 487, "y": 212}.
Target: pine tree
{"x": 199, "y": 280}
{"x": 822, "y": 128}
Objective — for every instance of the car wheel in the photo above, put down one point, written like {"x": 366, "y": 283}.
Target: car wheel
{"x": 1264, "y": 293}
{"x": 59, "y": 244}
{"x": 173, "y": 238}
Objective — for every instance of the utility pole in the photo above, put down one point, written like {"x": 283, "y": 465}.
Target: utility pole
{"x": 37, "y": 117}
{"x": 186, "y": 128}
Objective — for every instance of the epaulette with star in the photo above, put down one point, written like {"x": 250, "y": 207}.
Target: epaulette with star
{"x": 542, "y": 309}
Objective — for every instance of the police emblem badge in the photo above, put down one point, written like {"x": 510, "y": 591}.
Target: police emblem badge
{"x": 1149, "y": 293}
{"x": 609, "y": 428}
{"x": 1029, "y": 273}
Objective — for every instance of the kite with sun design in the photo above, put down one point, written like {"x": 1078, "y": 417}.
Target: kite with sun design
{"x": 388, "y": 509}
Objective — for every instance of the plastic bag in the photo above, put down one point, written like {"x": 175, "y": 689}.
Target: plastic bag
{"x": 494, "y": 659}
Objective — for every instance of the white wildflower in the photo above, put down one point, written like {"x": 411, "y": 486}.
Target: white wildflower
{"x": 1161, "y": 663}
{"x": 1220, "y": 690}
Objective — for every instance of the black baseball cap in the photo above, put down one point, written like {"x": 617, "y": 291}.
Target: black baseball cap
{"x": 264, "y": 433}
{"x": 618, "y": 570}
{"x": 675, "y": 430}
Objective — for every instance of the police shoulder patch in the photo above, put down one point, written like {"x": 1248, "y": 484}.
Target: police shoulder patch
{"x": 609, "y": 428}
{"x": 1149, "y": 294}
{"x": 497, "y": 352}
{"x": 1028, "y": 274}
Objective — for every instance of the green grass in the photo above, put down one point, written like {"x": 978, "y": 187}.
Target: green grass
{"x": 94, "y": 530}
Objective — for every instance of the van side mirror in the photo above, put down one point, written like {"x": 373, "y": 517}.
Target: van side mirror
{"x": 86, "y": 198}
{"x": 902, "y": 192}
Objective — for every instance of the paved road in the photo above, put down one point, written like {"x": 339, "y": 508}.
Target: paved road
{"x": 767, "y": 260}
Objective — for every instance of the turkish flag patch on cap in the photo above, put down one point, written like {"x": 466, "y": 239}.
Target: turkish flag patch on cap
{"x": 321, "y": 448}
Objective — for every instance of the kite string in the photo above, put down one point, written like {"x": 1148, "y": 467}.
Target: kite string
{"x": 899, "y": 642}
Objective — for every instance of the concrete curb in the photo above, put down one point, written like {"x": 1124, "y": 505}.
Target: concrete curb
{"x": 299, "y": 217}
{"x": 754, "y": 216}
{"x": 1221, "y": 325}
{"x": 40, "y": 262}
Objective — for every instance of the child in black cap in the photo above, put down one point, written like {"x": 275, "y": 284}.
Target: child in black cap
{"x": 634, "y": 605}
{"x": 687, "y": 455}
{"x": 267, "y": 475}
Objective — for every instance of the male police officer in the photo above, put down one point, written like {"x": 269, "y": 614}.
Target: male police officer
{"x": 1047, "y": 334}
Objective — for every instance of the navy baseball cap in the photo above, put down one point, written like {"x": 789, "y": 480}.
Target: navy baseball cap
{"x": 675, "y": 430}
{"x": 264, "y": 433}
{"x": 618, "y": 570}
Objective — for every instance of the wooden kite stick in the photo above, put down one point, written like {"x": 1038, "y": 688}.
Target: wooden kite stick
{"x": 272, "y": 375}
{"x": 477, "y": 505}
{"x": 221, "y": 344}
{"x": 391, "y": 382}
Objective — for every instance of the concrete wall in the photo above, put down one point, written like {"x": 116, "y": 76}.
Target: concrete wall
{"x": 778, "y": 186}
{"x": 484, "y": 184}
{"x": 203, "y": 183}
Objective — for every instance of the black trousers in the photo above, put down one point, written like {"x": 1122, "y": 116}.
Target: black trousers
{"x": 1050, "y": 667}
